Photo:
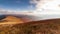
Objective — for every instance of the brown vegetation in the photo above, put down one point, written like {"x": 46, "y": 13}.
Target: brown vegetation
{"x": 11, "y": 20}
{"x": 51, "y": 26}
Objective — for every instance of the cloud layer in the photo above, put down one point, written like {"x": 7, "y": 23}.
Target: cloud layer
{"x": 42, "y": 7}
{"x": 46, "y": 6}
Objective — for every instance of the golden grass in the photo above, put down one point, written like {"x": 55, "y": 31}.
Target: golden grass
{"x": 36, "y": 27}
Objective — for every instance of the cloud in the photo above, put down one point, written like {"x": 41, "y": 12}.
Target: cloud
{"x": 30, "y": 7}
{"x": 46, "y": 6}
{"x": 6, "y": 12}
{"x": 34, "y": 1}
{"x": 42, "y": 7}
{"x": 46, "y": 9}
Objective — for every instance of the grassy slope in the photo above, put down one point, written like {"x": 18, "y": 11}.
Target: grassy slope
{"x": 36, "y": 27}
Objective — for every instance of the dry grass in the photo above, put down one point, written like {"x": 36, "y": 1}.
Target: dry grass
{"x": 36, "y": 27}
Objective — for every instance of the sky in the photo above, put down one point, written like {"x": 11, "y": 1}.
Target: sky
{"x": 47, "y": 8}
{"x": 16, "y": 5}
{"x": 37, "y": 6}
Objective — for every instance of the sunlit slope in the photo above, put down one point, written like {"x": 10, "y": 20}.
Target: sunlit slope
{"x": 51, "y": 26}
{"x": 11, "y": 20}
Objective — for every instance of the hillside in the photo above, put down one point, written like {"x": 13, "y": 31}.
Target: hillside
{"x": 11, "y": 20}
{"x": 51, "y": 26}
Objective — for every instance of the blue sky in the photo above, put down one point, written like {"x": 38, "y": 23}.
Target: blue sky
{"x": 16, "y": 4}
